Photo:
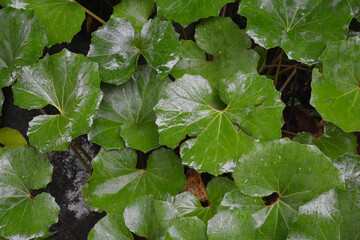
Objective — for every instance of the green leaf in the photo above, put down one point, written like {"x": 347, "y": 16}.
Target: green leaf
{"x": 11, "y": 138}
{"x": 333, "y": 215}
{"x": 62, "y": 19}
{"x": 349, "y": 166}
{"x": 126, "y": 113}
{"x": 289, "y": 175}
{"x": 115, "y": 180}
{"x": 21, "y": 214}
{"x": 227, "y": 47}
{"x": 136, "y": 11}
{"x": 188, "y": 11}
{"x": 188, "y": 228}
{"x": 302, "y": 28}
{"x": 188, "y": 106}
{"x": 149, "y": 218}
{"x": 333, "y": 142}
{"x": 233, "y": 225}
{"x": 116, "y": 48}
{"x": 111, "y": 227}
{"x": 22, "y": 41}
{"x": 188, "y": 205}
{"x": 335, "y": 94}
{"x": 70, "y": 83}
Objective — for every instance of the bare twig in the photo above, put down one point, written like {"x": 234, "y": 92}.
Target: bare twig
{"x": 288, "y": 80}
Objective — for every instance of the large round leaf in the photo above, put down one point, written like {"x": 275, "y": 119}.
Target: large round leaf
{"x": 335, "y": 93}
{"x": 22, "y": 41}
{"x": 116, "y": 180}
{"x": 186, "y": 228}
{"x": 116, "y": 48}
{"x": 188, "y": 205}
{"x": 136, "y": 11}
{"x": 149, "y": 218}
{"x": 189, "y": 106}
{"x": 70, "y": 83}
{"x": 221, "y": 49}
{"x": 126, "y": 113}
{"x": 333, "y": 142}
{"x": 111, "y": 227}
{"x": 11, "y": 138}
{"x": 188, "y": 11}
{"x": 289, "y": 175}
{"x": 62, "y": 19}
{"x": 302, "y": 28}
{"x": 23, "y": 216}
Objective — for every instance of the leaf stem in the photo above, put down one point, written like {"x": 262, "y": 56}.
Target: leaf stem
{"x": 288, "y": 80}
{"x": 278, "y": 67}
{"x": 90, "y": 13}
{"x": 81, "y": 159}
{"x": 224, "y": 11}
{"x": 82, "y": 150}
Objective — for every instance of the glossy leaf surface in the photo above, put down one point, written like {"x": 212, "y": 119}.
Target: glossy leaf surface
{"x": 11, "y": 138}
{"x": 290, "y": 174}
{"x": 111, "y": 227}
{"x": 22, "y": 215}
{"x": 126, "y": 113}
{"x": 333, "y": 142}
{"x": 349, "y": 166}
{"x": 302, "y": 28}
{"x": 188, "y": 11}
{"x": 189, "y": 107}
{"x": 188, "y": 205}
{"x": 335, "y": 93}
{"x": 22, "y": 41}
{"x": 149, "y": 218}
{"x": 227, "y": 53}
{"x": 136, "y": 11}
{"x": 116, "y": 48}
{"x": 186, "y": 228}
{"x": 116, "y": 180}
{"x": 71, "y": 84}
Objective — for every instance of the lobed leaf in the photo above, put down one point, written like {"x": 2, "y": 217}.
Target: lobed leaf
{"x": 11, "y": 138}
{"x": 111, "y": 227}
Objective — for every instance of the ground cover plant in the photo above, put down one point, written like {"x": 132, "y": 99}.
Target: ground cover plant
{"x": 154, "y": 119}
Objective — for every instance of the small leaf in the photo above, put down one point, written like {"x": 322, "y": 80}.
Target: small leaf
{"x": 349, "y": 166}
{"x": 11, "y": 138}
{"x": 126, "y": 113}
{"x": 22, "y": 41}
{"x": 301, "y": 28}
{"x": 149, "y": 218}
{"x": 287, "y": 175}
{"x": 335, "y": 93}
{"x": 116, "y": 48}
{"x": 188, "y": 107}
{"x": 116, "y": 180}
{"x": 195, "y": 185}
{"x": 333, "y": 142}
{"x": 21, "y": 214}
{"x": 186, "y": 229}
{"x": 70, "y": 83}
{"x": 136, "y": 11}
{"x": 111, "y": 227}
{"x": 188, "y": 11}
{"x": 227, "y": 53}
{"x": 188, "y": 205}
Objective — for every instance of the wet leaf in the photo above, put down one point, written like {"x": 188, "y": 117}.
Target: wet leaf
{"x": 126, "y": 113}
{"x": 62, "y": 19}
{"x": 286, "y": 175}
{"x": 227, "y": 53}
{"x": 335, "y": 93}
{"x": 71, "y": 84}
{"x": 333, "y": 142}
{"x": 188, "y": 228}
{"x": 195, "y": 185}
{"x": 136, "y": 11}
{"x": 22, "y": 215}
{"x": 188, "y": 11}
{"x": 111, "y": 227}
{"x": 116, "y": 48}
{"x": 11, "y": 138}
{"x": 149, "y": 218}
{"x": 189, "y": 107}
{"x": 116, "y": 180}
{"x": 22, "y": 41}
{"x": 302, "y": 28}
{"x": 188, "y": 205}
{"x": 349, "y": 166}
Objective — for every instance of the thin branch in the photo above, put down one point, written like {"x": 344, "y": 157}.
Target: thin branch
{"x": 82, "y": 150}
{"x": 80, "y": 158}
{"x": 224, "y": 11}
{"x": 284, "y": 65}
{"x": 90, "y": 13}
{"x": 278, "y": 67}
{"x": 288, "y": 80}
